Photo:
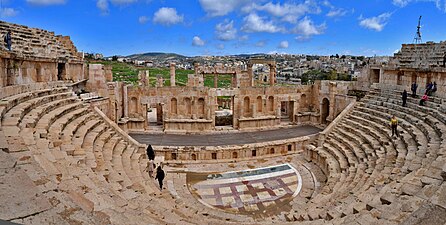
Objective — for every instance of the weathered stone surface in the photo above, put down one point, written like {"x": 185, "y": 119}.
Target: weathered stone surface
{"x": 427, "y": 214}
{"x": 20, "y": 197}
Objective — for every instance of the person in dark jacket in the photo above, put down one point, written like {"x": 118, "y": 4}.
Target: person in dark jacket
{"x": 160, "y": 176}
{"x": 413, "y": 88}
{"x": 8, "y": 40}
{"x": 150, "y": 153}
{"x": 404, "y": 97}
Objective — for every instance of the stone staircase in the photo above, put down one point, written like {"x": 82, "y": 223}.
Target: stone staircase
{"x": 84, "y": 170}
{"x": 81, "y": 164}
{"x": 376, "y": 178}
{"x": 39, "y": 43}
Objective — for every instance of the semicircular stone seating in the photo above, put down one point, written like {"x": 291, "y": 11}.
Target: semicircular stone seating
{"x": 93, "y": 174}
{"x": 374, "y": 177}
{"x": 88, "y": 170}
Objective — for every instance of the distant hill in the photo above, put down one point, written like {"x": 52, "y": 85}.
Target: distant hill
{"x": 156, "y": 56}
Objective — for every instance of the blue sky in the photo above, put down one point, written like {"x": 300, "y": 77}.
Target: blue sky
{"x": 224, "y": 27}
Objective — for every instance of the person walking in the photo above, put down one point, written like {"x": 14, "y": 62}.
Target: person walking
{"x": 404, "y": 97}
{"x": 150, "y": 167}
{"x": 150, "y": 153}
{"x": 8, "y": 40}
{"x": 413, "y": 88}
{"x": 429, "y": 87}
{"x": 160, "y": 176}
{"x": 394, "y": 125}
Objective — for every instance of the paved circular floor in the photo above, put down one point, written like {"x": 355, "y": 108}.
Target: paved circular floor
{"x": 225, "y": 139}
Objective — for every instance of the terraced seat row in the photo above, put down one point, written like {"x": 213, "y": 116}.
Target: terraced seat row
{"x": 372, "y": 174}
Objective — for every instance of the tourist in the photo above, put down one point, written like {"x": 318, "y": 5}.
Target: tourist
{"x": 150, "y": 166}
{"x": 150, "y": 153}
{"x": 434, "y": 88}
{"x": 429, "y": 87}
{"x": 8, "y": 40}
{"x": 394, "y": 125}
{"x": 160, "y": 176}
{"x": 423, "y": 99}
{"x": 413, "y": 88}
{"x": 404, "y": 98}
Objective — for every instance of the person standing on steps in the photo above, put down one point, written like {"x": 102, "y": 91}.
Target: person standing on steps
{"x": 160, "y": 176}
{"x": 150, "y": 153}
{"x": 8, "y": 40}
{"x": 413, "y": 88}
{"x": 404, "y": 97}
{"x": 394, "y": 125}
{"x": 150, "y": 167}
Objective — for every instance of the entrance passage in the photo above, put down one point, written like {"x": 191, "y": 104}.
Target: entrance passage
{"x": 325, "y": 110}
{"x": 61, "y": 71}
{"x": 223, "y": 114}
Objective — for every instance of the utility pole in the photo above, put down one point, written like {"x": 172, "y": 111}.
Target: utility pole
{"x": 417, "y": 39}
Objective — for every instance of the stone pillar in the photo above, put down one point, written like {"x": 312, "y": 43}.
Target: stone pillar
{"x": 159, "y": 81}
{"x": 112, "y": 112}
{"x": 146, "y": 119}
{"x": 250, "y": 75}
{"x": 215, "y": 80}
{"x": 126, "y": 101}
{"x": 272, "y": 74}
{"x": 172, "y": 74}
{"x": 147, "y": 74}
{"x": 196, "y": 65}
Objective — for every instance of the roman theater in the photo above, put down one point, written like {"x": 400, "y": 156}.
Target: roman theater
{"x": 74, "y": 142}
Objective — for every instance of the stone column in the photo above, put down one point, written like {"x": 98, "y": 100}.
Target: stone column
{"x": 172, "y": 74}
{"x": 272, "y": 74}
{"x": 196, "y": 65}
{"x": 112, "y": 109}
{"x": 147, "y": 73}
{"x": 250, "y": 75}
{"x": 159, "y": 81}
{"x": 126, "y": 101}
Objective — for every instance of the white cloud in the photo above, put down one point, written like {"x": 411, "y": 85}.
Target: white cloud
{"x": 376, "y": 23}
{"x": 337, "y": 12}
{"x": 289, "y": 12}
{"x": 306, "y": 29}
{"x": 220, "y": 7}
{"x": 255, "y": 23}
{"x": 244, "y": 38}
{"x": 167, "y": 16}
{"x": 8, "y": 12}
{"x": 400, "y": 3}
{"x": 283, "y": 44}
{"x": 197, "y": 41}
{"x": 221, "y": 46}
{"x": 441, "y": 5}
{"x": 260, "y": 44}
{"x": 103, "y": 6}
{"x": 143, "y": 19}
{"x": 225, "y": 31}
{"x": 46, "y": 2}
{"x": 122, "y": 2}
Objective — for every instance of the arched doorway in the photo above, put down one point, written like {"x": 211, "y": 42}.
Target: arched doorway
{"x": 325, "y": 111}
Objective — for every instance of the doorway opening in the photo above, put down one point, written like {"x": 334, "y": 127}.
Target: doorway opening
{"x": 325, "y": 110}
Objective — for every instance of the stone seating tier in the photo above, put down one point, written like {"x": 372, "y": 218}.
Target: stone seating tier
{"x": 82, "y": 162}
{"x": 39, "y": 43}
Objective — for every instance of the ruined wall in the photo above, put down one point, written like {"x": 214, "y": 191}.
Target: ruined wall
{"x": 98, "y": 77}
{"x": 192, "y": 109}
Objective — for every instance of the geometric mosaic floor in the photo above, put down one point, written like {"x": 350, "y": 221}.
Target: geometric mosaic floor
{"x": 257, "y": 192}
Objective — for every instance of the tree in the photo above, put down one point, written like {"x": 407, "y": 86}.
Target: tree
{"x": 114, "y": 58}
